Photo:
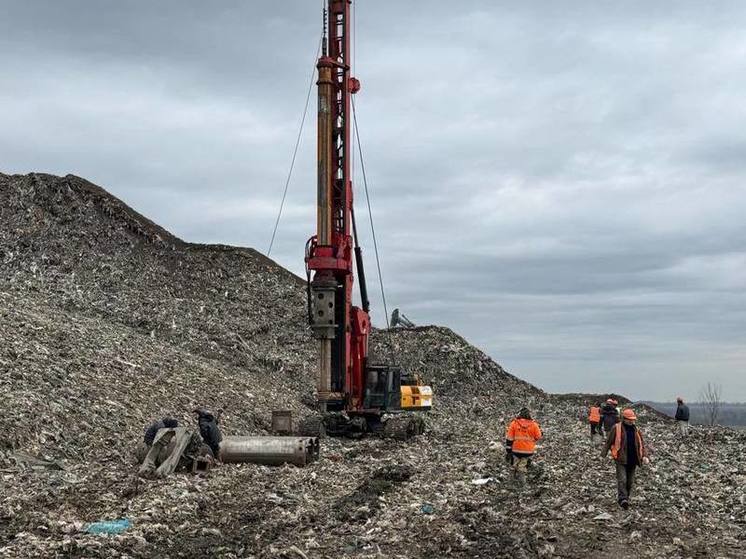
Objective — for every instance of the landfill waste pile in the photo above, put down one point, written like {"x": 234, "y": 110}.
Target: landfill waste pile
{"x": 108, "y": 322}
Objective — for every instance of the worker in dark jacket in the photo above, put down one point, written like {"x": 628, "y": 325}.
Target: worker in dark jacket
{"x": 152, "y": 429}
{"x": 208, "y": 428}
{"x": 628, "y": 451}
{"x": 682, "y": 416}
{"x": 150, "y": 433}
{"x": 609, "y": 415}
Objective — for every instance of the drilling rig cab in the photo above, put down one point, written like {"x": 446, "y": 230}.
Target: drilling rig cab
{"x": 353, "y": 394}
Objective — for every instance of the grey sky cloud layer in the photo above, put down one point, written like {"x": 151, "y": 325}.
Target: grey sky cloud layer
{"x": 562, "y": 183}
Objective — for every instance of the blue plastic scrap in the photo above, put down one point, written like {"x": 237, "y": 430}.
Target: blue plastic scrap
{"x": 108, "y": 526}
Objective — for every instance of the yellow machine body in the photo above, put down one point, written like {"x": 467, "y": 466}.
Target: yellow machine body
{"x": 416, "y": 397}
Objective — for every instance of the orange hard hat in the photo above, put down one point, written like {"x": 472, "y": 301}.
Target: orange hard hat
{"x": 629, "y": 414}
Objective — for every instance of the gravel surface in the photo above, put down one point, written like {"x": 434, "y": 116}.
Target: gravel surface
{"x": 107, "y": 322}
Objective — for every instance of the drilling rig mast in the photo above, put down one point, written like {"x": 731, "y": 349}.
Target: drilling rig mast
{"x": 347, "y": 383}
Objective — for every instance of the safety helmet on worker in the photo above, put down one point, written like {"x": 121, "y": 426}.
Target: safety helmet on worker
{"x": 629, "y": 415}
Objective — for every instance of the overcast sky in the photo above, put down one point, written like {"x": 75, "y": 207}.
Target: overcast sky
{"x": 563, "y": 183}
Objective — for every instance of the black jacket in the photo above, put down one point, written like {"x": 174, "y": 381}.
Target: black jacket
{"x": 625, "y": 450}
{"x": 609, "y": 416}
{"x": 682, "y": 412}
{"x": 152, "y": 430}
{"x": 208, "y": 428}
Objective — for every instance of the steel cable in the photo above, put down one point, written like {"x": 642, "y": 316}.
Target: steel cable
{"x": 373, "y": 232}
{"x": 297, "y": 145}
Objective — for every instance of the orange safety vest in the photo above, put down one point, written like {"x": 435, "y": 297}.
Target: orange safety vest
{"x": 595, "y": 415}
{"x": 617, "y": 446}
{"x": 523, "y": 433}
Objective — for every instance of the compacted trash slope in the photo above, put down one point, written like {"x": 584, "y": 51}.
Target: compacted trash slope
{"x": 107, "y": 322}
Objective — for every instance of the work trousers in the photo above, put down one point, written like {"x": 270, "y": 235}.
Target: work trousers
{"x": 683, "y": 427}
{"x": 595, "y": 428}
{"x": 625, "y": 479}
{"x": 520, "y": 467}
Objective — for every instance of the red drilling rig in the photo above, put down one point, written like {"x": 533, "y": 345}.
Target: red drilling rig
{"x": 353, "y": 394}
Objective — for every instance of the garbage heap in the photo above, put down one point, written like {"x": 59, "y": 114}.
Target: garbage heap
{"x": 107, "y": 322}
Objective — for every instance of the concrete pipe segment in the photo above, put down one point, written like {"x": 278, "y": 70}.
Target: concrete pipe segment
{"x": 271, "y": 451}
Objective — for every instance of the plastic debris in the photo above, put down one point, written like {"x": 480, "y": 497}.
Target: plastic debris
{"x": 482, "y": 481}
{"x": 109, "y": 526}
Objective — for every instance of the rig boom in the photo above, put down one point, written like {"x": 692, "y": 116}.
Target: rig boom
{"x": 346, "y": 381}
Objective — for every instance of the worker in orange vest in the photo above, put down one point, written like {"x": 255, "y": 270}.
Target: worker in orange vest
{"x": 628, "y": 450}
{"x": 594, "y": 418}
{"x": 520, "y": 443}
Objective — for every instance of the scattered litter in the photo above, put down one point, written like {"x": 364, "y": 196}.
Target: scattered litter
{"x": 109, "y": 526}
{"x": 482, "y": 481}
{"x": 89, "y": 288}
{"x": 24, "y": 460}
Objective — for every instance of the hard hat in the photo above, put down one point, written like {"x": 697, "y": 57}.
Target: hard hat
{"x": 629, "y": 414}
{"x": 609, "y": 401}
{"x": 615, "y": 402}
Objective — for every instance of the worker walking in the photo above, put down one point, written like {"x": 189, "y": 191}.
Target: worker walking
{"x": 682, "y": 416}
{"x": 594, "y": 418}
{"x": 628, "y": 451}
{"x": 609, "y": 415}
{"x": 520, "y": 443}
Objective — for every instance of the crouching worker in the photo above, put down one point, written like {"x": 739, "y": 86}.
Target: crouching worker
{"x": 208, "y": 428}
{"x": 520, "y": 443}
{"x": 150, "y": 432}
{"x": 628, "y": 451}
{"x": 175, "y": 448}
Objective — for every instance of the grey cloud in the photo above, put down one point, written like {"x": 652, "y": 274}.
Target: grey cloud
{"x": 560, "y": 182}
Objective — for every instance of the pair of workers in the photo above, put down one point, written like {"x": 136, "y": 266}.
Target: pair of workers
{"x": 167, "y": 445}
{"x": 602, "y": 418}
{"x": 624, "y": 440}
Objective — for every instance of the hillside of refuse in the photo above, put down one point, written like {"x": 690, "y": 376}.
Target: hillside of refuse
{"x": 107, "y": 321}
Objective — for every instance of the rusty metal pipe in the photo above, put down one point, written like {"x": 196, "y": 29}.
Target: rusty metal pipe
{"x": 270, "y": 451}
{"x": 325, "y": 146}
{"x": 324, "y": 386}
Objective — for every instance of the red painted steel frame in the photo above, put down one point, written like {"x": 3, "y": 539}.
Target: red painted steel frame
{"x": 350, "y": 353}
